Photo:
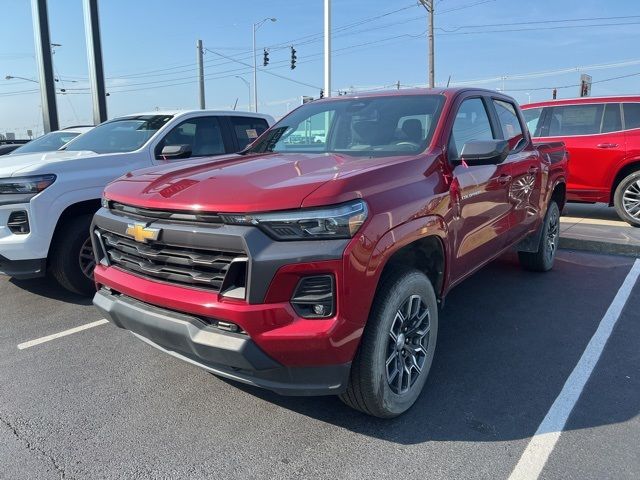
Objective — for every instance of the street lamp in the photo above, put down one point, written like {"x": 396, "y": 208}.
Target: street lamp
{"x": 11, "y": 77}
{"x": 256, "y": 26}
{"x": 246, "y": 82}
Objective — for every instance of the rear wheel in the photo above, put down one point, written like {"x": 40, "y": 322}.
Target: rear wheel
{"x": 397, "y": 347}
{"x": 71, "y": 261}
{"x": 542, "y": 260}
{"x": 626, "y": 199}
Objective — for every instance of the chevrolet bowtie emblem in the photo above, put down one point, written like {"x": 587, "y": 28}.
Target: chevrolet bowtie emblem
{"x": 141, "y": 233}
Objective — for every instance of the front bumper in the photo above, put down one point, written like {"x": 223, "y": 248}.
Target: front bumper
{"x": 232, "y": 355}
{"x": 23, "y": 269}
{"x": 29, "y": 247}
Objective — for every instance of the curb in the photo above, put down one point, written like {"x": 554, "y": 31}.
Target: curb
{"x": 569, "y": 243}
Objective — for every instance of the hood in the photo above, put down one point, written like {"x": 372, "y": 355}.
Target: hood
{"x": 34, "y": 163}
{"x": 239, "y": 184}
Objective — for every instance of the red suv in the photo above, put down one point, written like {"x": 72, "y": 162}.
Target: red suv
{"x": 602, "y": 136}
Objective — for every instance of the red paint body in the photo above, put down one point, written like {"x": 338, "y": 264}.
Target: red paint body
{"x": 598, "y": 159}
{"x": 409, "y": 197}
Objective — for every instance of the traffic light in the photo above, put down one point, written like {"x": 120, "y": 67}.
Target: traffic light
{"x": 554, "y": 93}
{"x": 293, "y": 58}
{"x": 265, "y": 58}
{"x": 584, "y": 89}
{"x": 321, "y": 93}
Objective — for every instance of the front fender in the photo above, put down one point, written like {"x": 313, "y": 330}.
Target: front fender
{"x": 403, "y": 235}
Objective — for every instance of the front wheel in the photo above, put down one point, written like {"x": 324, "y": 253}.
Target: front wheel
{"x": 71, "y": 261}
{"x": 397, "y": 347}
{"x": 542, "y": 260}
{"x": 626, "y": 199}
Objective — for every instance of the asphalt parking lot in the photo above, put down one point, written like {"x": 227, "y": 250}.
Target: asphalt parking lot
{"x": 99, "y": 403}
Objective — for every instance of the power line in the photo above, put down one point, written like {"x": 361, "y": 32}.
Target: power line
{"x": 265, "y": 71}
{"x": 571, "y": 85}
{"x": 540, "y": 28}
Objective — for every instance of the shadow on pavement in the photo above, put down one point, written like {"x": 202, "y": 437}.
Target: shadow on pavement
{"x": 508, "y": 341}
{"x": 47, "y": 287}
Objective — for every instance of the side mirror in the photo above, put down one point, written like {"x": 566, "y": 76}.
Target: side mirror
{"x": 175, "y": 151}
{"x": 484, "y": 152}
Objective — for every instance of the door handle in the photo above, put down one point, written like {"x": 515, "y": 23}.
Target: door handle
{"x": 607, "y": 145}
{"x": 504, "y": 179}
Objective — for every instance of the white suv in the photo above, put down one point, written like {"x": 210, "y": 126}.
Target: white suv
{"x": 47, "y": 200}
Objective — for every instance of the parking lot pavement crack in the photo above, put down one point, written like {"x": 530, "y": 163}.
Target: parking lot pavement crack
{"x": 34, "y": 448}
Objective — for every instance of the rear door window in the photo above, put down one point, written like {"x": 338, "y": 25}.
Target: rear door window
{"x": 568, "y": 120}
{"x": 247, "y": 129}
{"x": 611, "y": 120}
{"x": 631, "y": 115}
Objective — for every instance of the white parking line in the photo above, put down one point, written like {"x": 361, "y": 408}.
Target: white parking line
{"x": 38, "y": 341}
{"x": 544, "y": 440}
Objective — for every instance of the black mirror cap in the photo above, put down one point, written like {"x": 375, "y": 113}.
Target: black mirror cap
{"x": 176, "y": 151}
{"x": 484, "y": 152}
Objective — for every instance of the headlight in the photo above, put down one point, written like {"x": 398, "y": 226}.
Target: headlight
{"x": 339, "y": 221}
{"x": 22, "y": 189}
{"x": 104, "y": 202}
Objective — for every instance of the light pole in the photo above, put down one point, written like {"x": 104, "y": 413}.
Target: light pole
{"x": 327, "y": 48}
{"x": 256, "y": 26}
{"x": 246, "y": 82}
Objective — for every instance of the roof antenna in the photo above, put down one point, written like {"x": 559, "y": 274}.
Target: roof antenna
{"x": 448, "y": 81}
{"x": 235, "y": 104}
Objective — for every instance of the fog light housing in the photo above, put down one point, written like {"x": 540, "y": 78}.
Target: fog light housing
{"x": 18, "y": 222}
{"x": 314, "y": 297}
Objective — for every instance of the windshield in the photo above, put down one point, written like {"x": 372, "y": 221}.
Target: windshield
{"x": 119, "y": 135}
{"x": 46, "y": 143}
{"x": 377, "y": 126}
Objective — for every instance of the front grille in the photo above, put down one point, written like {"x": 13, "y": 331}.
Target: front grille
{"x": 173, "y": 215}
{"x": 173, "y": 264}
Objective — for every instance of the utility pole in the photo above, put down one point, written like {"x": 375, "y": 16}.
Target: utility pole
{"x": 94, "y": 59}
{"x": 45, "y": 65}
{"x": 429, "y": 6}
{"x": 327, "y": 48}
{"x": 201, "y": 72}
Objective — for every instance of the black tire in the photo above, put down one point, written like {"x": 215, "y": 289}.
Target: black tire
{"x": 372, "y": 389}
{"x": 626, "y": 199}
{"x": 64, "y": 262}
{"x": 542, "y": 260}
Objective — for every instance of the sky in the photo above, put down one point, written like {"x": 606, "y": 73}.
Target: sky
{"x": 149, "y": 48}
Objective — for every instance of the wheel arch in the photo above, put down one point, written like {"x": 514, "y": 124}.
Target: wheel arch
{"x": 419, "y": 244}
{"x": 79, "y": 208}
{"x": 559, "y": 193}
{"x": 627, "y": 169}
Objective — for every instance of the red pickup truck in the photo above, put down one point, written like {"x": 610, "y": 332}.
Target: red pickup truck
{"x": 313, "y": 262}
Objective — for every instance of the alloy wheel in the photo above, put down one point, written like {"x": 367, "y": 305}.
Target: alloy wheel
{"x": 631, "y": 199}
{"x": 87, "y": 259}
{"x": 407, "y": 345}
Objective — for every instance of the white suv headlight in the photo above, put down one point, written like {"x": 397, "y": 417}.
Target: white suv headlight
{"x": 22, "y": 189}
